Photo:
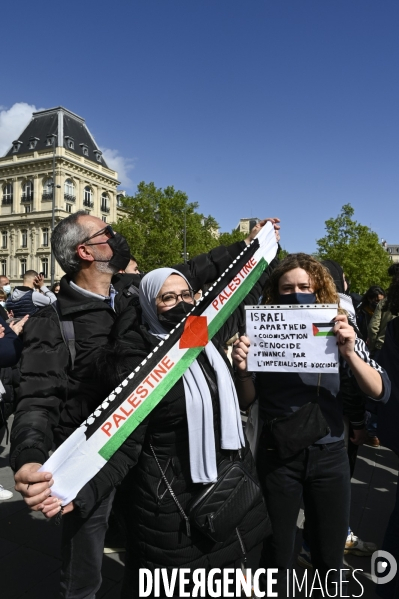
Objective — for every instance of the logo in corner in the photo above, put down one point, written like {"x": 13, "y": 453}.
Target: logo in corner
{"x": 383, "y": 567}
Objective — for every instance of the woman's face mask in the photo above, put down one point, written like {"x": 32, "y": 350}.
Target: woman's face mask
{"x": 174, "y": 301}
{"x": 7, "y": 289}
{"x": 298, "y": 298}
{"x": 172, "y": 317}
{"x": 296, "y": 287}
{"x": 2, "y": 303}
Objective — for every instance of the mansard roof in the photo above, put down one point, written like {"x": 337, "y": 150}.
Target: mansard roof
{"x": 67, "y": 126}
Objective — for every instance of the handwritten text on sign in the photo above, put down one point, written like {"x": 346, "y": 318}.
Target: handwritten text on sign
{"x": 292, "y": 338}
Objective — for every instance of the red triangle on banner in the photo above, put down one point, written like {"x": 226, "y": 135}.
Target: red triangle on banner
{"x": 195, "y": 332}
{"x": 315, "y": 330}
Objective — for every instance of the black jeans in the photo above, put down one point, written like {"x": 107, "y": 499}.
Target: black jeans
{"x": 320, "y": 476}
{"x": 82, "y": 551}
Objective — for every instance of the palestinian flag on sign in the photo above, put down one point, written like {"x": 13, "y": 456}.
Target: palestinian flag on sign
{"x": 323, "y": 329}
{"x": 89, "y": 448}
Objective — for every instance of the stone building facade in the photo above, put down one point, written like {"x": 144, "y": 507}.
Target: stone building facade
{"x": 83, "y": 181}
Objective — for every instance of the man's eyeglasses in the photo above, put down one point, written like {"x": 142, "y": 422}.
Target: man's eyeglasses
{"x": 170, "y": 298}
{"x": 108, "y": 230}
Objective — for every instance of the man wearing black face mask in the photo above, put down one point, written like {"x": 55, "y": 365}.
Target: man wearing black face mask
{"x": 57, "y": 390}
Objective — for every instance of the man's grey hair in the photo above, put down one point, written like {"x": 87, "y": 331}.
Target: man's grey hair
{"x": 65, "y": 238}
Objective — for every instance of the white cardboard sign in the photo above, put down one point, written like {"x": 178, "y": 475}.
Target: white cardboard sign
{"x": 292, "y": 338}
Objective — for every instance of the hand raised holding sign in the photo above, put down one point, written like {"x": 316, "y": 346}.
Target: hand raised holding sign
{"x": 345, "y": 335}
{"x": 240, "y": 353}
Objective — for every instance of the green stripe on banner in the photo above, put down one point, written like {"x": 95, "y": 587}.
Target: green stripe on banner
{"x": 153, "y": 400}
{"x": 242, "y": 291}
{"x": 191, "y": 354}
{"x": 326, "y": 334}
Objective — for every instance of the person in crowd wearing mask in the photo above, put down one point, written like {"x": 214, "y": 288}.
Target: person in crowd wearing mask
{"x": 382, "y": 315}
{"x": 55, "y": 288}
{"x": 354, "y": 406}
{"x": 5, "y": 284}
{"x": 10, "y": 352}
{"x": 317, "y": 473}
{"x": 366, "y": 309}
{"x": 3, "y": 311}
{"x": 29, "y": 297}
{"x": 196, "y": 426}
{"x": 132, "y": 268}
{"x": 57, "y": 390}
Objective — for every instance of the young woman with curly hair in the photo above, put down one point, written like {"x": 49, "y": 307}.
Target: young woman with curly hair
{"x": 317, "y": 473}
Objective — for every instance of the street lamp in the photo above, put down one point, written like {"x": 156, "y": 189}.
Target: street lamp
{"x": 52, "y": 267}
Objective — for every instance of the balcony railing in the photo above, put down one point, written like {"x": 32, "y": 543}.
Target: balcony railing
{"x": 105, "y": 209}
{"x": 27, "y": 197}
{"x": 6, "y": 201}
{"x": 88, "y": 203}
{"x": 69, "y": 198}
{"x": 47, "y": 197}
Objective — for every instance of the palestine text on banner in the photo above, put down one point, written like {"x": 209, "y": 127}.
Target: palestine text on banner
{"x": 89, "y": 448}
{"x": 292, "y": 338}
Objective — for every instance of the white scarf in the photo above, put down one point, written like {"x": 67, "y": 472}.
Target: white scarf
{"x": 198, "y": 397}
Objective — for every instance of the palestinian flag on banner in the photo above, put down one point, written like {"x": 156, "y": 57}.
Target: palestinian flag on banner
{"x": 89, "y": 448}
{"x": 323, "y": 329}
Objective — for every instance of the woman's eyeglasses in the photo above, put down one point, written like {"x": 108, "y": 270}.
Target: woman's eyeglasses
{"x": 170, "y": 298}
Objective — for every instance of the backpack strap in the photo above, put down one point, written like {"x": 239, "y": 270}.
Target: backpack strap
{"x": 67, "y": 332}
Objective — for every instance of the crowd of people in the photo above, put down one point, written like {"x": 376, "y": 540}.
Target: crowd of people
{"x": 63, "y": 351}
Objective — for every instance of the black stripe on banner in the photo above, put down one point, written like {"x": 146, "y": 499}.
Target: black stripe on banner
{"x": 125, "y": 389}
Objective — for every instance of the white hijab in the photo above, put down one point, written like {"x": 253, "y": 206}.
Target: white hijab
{"x": 198, "y": 398}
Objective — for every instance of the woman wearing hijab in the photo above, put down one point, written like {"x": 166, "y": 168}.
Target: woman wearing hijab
{"x": 196, "y": 426}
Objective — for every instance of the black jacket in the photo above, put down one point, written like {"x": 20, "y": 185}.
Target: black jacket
{"x": 10, "y": 346}
{"x": 156, "y": 531}
{"x": 54, "y": 400}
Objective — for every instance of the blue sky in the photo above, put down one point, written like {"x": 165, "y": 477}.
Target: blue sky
{"x": 253, "y": 108}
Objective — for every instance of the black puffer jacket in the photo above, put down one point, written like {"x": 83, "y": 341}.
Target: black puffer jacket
{"x": 54, "y": 400}
{"x": 156, "y": 531}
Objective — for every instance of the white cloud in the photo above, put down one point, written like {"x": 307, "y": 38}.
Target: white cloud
{"x": 122, "y": 165}
{"x": 12, "y": 122}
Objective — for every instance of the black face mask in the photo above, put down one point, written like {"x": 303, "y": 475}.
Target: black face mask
{"x": 121, "y": 252}
{"x": 298, "y": 298}
{"x": 175, "y": 315}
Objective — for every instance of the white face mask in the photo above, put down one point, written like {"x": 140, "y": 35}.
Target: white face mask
{"x": 7, "y": 289}
{"x": 2, "y": 304}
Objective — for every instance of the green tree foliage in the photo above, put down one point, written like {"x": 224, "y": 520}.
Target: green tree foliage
{"x": 356, "y": 247}
{"x": 154, "y": 227}
{"x": 283, "y": 254}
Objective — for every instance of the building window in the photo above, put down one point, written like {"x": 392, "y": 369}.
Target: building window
{"x": 104, "y": 203}
{"x": 16, "y": 145}
{"x": 88, "y": 197}
{"x": 7, "y": 194}
{"x": 68, "y": 208}
{"x": 69, "y": 190}
{"x": 28, "y": 208}
{"x": 70, "y": 142}
{"x": 48, "y": 189}
{"x": 4, "y": 240}
{"x": 104, "y": 219}
{"x": 98, "y": 155}
{"x": 24, "y": 238}
{"x": 23, "y": 266}
{"x": 45, "y": 267}
{"x": 45, "y": 236}
{"x": 50, "y": 140}
{"x": 27, "y": 192}
{"x": 4, "y": 268}
{"x": 85, "y": 149}
{"x": 33, "y": 142}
